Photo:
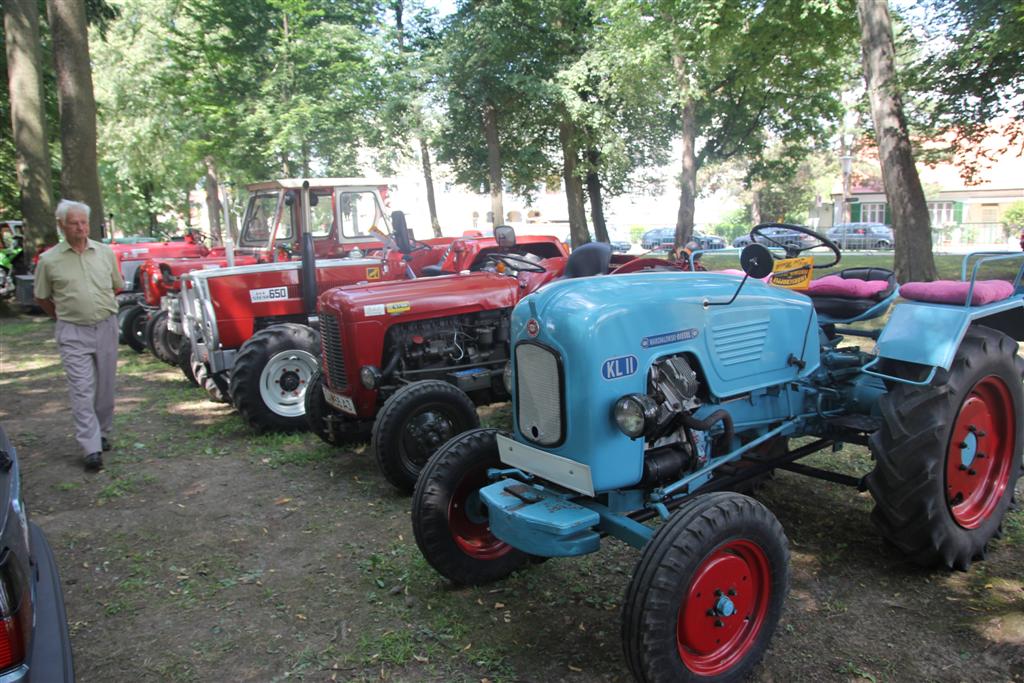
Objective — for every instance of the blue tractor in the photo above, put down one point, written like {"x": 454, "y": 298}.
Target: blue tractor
{"x": 662, "y": 395}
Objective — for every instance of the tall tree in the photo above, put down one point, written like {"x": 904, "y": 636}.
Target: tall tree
{"x": 79, "y": 169}
{"x": 744, "y": 71}
{"x": 903, "y": 190}
{"x": 28, "y": 119}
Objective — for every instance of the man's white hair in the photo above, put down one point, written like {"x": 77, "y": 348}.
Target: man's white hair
{"x": 66, "y": 205}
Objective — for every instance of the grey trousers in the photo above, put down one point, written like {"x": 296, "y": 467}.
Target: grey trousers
{"x": 89, "y": 354}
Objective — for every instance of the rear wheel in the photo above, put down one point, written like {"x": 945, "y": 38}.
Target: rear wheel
{"x": 949, "y": 454}
{"x": 271, "y": 373}
{"x": 707, "y": 592}
{"x": 332, "y": 427}
{"x": 133, "y": 327}
{"x": 160, "y": 341}
{"x": 413, "y": 423}
{"x": 450, "y": 522}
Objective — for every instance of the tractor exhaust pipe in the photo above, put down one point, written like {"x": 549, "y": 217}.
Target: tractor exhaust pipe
{"x": 307, "y": 272}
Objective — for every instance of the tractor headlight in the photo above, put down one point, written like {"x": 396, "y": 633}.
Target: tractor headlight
{"x": 506, "y": 377}
{"x": 369, "y": 376}
{"x": 635, "y": 414}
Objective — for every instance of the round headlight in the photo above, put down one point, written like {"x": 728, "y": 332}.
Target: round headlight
{"x": 369, "y": 376}
{"x": 506, "y": 377}
{"x": 635, "y": 414}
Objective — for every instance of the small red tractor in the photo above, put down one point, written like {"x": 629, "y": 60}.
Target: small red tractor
{"x": 407, "y": 363}
{"x": 252, "y": 329}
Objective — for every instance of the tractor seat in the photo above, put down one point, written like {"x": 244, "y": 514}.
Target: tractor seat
{"x": 589, "y": 259}
{"x": 851, "y": 292}
{"x": 955, "y": 291}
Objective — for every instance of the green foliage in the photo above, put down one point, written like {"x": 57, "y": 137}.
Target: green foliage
{"x": 733, "y": 224}
{"x": 1014, "y": 217}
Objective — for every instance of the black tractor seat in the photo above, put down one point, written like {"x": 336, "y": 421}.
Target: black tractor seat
{"x": 589, "y": 259}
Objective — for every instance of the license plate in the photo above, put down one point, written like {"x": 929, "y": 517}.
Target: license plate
{"x": 342, "y": 403}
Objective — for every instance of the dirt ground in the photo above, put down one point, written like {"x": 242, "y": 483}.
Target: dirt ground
{"x": 205, "y": 553}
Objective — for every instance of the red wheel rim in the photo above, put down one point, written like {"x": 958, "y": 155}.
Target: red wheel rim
{"x": 724, "y": 608}
{"x": 467, "y": 519}
{"x": 979, "y": 453}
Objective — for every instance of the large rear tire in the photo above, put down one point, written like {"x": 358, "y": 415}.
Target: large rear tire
{"x": 160, "y": 341}
{"x": 124, "y": 303}
{"x": 332, "y": 427}
{"x": 413, "y": 423}
{"x": 707, "y": 592}
{"x": 948, "y": 454}
{"x": 448, "y": 519}
{"x": 133, "y": 327}
{"x": 271, "y": 374}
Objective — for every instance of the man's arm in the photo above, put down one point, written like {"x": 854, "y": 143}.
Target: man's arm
{"x": 48, "y": 307}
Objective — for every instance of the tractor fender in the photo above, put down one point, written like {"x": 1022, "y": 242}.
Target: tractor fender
{"x": 930, "y": 334}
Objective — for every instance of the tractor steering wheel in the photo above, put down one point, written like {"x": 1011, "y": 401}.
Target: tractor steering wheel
{"x": 792, "y": 249}
{"x": 517, "y": 263}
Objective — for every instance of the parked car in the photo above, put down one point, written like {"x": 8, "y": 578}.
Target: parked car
{"x": 34, "y": 642}
{"x": 618, "y": 246}
{"x": 861, "y": 236}
{"x": 778, "y": 237}
{"x": 664, "y": 238}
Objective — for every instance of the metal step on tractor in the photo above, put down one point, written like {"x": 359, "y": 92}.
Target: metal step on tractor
{"x": 252, "y": 330}
{"x": 656, "y": 396}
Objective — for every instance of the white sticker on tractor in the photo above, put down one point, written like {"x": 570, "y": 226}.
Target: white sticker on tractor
{"x": 268, "y": 294}
{"x": 375, "y": 309}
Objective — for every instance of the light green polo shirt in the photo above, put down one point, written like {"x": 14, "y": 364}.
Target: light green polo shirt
{"x": 80, "y": 285}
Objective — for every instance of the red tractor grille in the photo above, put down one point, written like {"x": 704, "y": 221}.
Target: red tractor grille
{"x": 331, "y": 350}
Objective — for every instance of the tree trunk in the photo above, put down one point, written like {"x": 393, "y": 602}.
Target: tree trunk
{"x": 79, "y": 174}
{"x": 688, "y": 175}
{"x": 28, "y": 121}
{"x": 910, "y": 220}
{"x": 573, "y": 186}
{"x": 755, "y": 204}
{"x": 428, "y": 179}
{"x": 213, "y": 200}
{"x": 594, "y": 194}
{"x": 493, "y": 162}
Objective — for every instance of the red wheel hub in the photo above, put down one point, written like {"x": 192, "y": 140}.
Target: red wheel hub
{"x": 980, "y": 452}
{"x": 467, "y": 520}
{"x": 724, "y": 608}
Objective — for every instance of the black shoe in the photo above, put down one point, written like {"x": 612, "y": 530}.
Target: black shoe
{"x": 105, "y": 442}
{"x": 94, "y": 462}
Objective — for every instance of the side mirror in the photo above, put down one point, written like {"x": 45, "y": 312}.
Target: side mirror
{"x": 289, "y": 198}
{"x": 314, "y": 199}
{"x": 756, "y": 260}
{"x": 505, "y": 235}
{"x": 401, "y": 232}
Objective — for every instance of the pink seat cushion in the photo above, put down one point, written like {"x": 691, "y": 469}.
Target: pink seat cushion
{"x": 846, "y": 288}
{"x": 955, "y": 291}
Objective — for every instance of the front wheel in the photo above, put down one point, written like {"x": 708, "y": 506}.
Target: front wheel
{"x": 707, "y": 592}
{"x": 271, "y": 373}
{"x": 186, "y": 361}
{"x": 413, "y": 423}
{"x": 133, "y": 327}
{"x": 948, "y": 454}
{"x": 449, "y": 520}
{"x": 160, "y": 341}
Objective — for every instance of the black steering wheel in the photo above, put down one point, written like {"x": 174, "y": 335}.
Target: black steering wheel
{"x": 793, "y": 248}
{"x": 517, "y": 262}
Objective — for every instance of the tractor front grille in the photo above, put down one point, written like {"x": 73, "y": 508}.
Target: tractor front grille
{"x": 539, "y": 394}
{"x": 331, "y": 351}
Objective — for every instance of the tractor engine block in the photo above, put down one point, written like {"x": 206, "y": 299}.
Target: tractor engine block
{"x": 475, "y": 338}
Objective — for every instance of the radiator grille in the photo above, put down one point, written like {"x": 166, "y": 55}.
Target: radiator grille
{"x": 539, "y": 394}
{"x": 331, "y": 350}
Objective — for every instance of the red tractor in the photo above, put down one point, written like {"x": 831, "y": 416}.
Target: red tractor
{"x": 407, "y": 363}
{"x": 252, "y": 329}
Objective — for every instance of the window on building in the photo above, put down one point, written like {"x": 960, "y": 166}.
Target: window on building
{"x": 941, "y": 213}
{"x": 872, "y": 213}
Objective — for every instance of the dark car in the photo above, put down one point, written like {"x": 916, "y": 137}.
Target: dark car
{"x": 659, "y": 238}
{"x": 621, "y": 246}
{"x": 708, "y": 242}
{"x": 34, "y": 642}
{"x": 861, "y": 236}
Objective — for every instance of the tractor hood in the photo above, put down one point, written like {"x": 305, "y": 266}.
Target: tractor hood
{"x": 604, "y": 333}
{"x": 425, "y": 297}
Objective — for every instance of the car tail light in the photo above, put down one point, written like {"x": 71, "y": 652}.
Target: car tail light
{"x": 15, "y": 612}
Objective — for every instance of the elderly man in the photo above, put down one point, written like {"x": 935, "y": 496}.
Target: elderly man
{"x": 75, "y": 284}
